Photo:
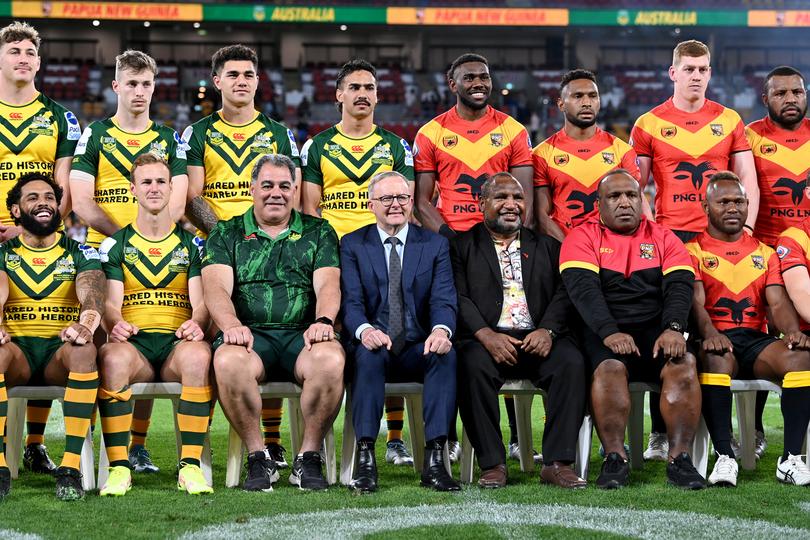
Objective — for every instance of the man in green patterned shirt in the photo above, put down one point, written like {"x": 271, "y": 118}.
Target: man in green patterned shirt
{"x": 272, "y": 285}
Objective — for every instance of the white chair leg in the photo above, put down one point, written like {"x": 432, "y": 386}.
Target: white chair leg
{"x": 235, "y": 456}
{"x": 205, "y": 460}
{"x": 296, "y": 426}
{"x": 347, "y": 456}
{"x": 416, "y": 425}
{"x": 15, "y": 423}
{"x": 700, "y": 448}
{"x": 523, "y": 418}
{"x": 467, "y": 459}
{"x": 635, "y": 429}
{"x": 178, "y": 442}
{"x": 583, "y": 458}
{"x": 103, "y": 461}
{"x": 87, "y": 463}
{"x": 330, "y": 458}
{"x": 807, "y": 445}
{"x": 746, "y": 407}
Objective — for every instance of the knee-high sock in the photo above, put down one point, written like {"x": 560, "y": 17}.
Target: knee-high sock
{"x": 36, "y": 415}
{"x": 795, "y": 410}
{"x": 3, "y": 414}
{"x": 509, "y": 403}
{"x": 716, "y": 389}
{"x": 138, "y": 431}
{"x": 116, "y": 421}
{"x": 192, "y": 420}
{"x": 271, "y": 425}
{"x": 80, "y": 396}
{"x": 395, "y": 419}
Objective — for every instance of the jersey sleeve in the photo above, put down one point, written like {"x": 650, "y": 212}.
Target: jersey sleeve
{"x": 69, "y": 132}
{"x": 540, "y": 168}
{"x": 311, "y": 162}
{"x": 739, "y": 142}
{"x": 177, "y": 155}
{"x": 86, "y": 258}
{"x": 693, "y": 249}
{"x": 640, "y": 140}
{"x": 218, "y": 248}
{"x": 194, "y": 258}
{"x": 751, "y": 136}
{"x": 194, "y": 138}
{"x": 774, "y": 270}
{"x": 521, "y": 145}
{"x": 85, "y": 158}
{"x": 579, "y": 251}
{"x": 3, "y": 248}
{"x": 629, "y": 162}
{"x": 403, "y": 158}
{"x": 287, "y": 144}
{"x": 424, "y": 154}
{"x": 675, "y": 256}
{"x": 790, "y": 251}
{"x": 326, "y": 255}
{"x": 110, "y": 252}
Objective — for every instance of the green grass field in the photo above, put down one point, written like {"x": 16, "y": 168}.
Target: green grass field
{"x": 759, "y": 508}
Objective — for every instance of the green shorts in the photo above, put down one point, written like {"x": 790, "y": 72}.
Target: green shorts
{"x": 39, "y": 353}
{"x": 154, "y": 346}
{"x": 278, "y": 350}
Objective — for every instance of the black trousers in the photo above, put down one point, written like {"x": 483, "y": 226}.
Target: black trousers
{"x": 561, "y": 375}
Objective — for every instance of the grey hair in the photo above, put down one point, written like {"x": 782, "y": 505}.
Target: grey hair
{"x": 276, "y": 160}
{"x": 487, "y": 185}
{"x": 377, "y": 178}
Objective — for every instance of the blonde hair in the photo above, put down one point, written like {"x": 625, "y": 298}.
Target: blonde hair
{"x": 18, "y": 31}
{"x": 147, "y": 158}
{"x": 136, "y": 61}
{"x": 691, "y": 48}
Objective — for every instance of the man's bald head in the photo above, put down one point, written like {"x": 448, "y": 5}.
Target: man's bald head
{"x": 617, "y": 173}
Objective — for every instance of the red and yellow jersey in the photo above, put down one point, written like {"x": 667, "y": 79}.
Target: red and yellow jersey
{"x": 570, "y": 169}
{"x": 686, "y": 149}
{"x": 782, "y": 159}
{"x": 734, "y": 276}
{"x": 464, "y": 154}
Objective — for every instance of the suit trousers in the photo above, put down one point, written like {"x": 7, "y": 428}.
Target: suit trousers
{"x": 373, "y": 369}
{"x": 561, "y": 374}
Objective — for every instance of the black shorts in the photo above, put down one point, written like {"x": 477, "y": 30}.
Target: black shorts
{"x": 748, "y": 344}
{"x": 685, "y": 236}
{"x": 642, "y": 368}
{"x": 278, "y": 350}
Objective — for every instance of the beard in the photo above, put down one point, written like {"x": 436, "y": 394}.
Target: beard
{"x": 30, "y": 224}
{"x": 495, "y": 225}
{"x": 472, "y": 104}
{"x": 581, "y": 124}
{"x": 776, "y": 116}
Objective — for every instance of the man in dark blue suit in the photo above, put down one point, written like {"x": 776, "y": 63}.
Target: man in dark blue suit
{"x": 399, "y": 309}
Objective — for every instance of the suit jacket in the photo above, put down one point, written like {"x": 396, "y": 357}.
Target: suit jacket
{"x": 429, "y": 295}
{"x": 480, "y": 284}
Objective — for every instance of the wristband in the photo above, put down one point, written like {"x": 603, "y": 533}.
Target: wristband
{"x": 447, "y": 232}
{"x": 749, "y": 227}
{"x": 325, "y": 320}
{"x": 90, "y": 319}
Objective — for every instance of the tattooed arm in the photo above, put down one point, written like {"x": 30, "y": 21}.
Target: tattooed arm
{"x": 90, "y": 287}
{"x": 198, "y": 211}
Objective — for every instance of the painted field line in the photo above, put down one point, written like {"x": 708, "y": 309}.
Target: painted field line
{"x": 359, "y": 522}
{"x": 11, "y": 534}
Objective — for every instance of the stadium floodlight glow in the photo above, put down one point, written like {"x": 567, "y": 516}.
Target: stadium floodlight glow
{"x": 505, "y": 92}
{"x": 96, "y": 22}
{"x": 201, "y": 89}
{"x": 343, "y": 27}
{"x": 147, "y": 24}
{"x": 509, "y": 86}
{"x": 203, "y": 82}
{"x": 196, "y": 25}
{"x": 201, "y": 95}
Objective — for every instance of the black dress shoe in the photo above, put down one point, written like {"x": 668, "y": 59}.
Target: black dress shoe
{"x": 433, "y": 472}
{"x": 365, "y": 475}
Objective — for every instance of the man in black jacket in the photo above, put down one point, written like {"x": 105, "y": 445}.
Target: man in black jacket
{"x": 512, "y": 324}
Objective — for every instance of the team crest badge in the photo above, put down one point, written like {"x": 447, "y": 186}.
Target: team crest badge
{"x": 215, "y": 138}
{"x": 561, "y": 159}
{"x": 496, "y": 139}
{"x": 758, "y": 261}
{"x": 767, "y": 149}
{"x": 669, "y": 132}
{"x": 335, "y": 151}
{"x": 12, "y": 261}
{"x": 179, "y": 260}
{"x": 262, "y": 144}
{"x": 65, "y": 269}
{"x": 781, "y": 252}
{"x": 608, "y": 158}
{"x": 108, "y": 144}
{"x": 710, "y": 263}
{"x": 450, "y": 141}
{"x": 647, "y": 251}
{"x": 131, "y": 255}
{"x": 382, "y": 155}
{"x": 158, "y": 149}
{"x": 294, "y": 236}
{"x": 41, "y": 125}
{"x": 717, "y": 129}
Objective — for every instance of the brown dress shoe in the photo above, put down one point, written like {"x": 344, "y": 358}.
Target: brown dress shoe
{"x": 562, "y": 476}
{"x": 493, "y": 478}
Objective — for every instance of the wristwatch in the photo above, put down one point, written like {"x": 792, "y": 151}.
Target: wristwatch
{"x": 325, "y": 320}
{"x": 676, "y": 326}
{"x": 551, "y": 333}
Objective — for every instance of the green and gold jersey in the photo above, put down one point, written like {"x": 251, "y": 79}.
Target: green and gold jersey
{"x": 272, "y": 278}
{"x": 228, "y": 152}
{"x": 32, "y": 138}
{"x": 343, "y": 167}
{"x": 155, "y": 274}
{"x": 105, "y": 154}
{"x": 42, "y": 285}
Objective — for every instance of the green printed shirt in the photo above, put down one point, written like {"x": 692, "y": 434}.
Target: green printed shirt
{"x": 273, "y": 278}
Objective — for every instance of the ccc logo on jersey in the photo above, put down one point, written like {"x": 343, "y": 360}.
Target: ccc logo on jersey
{"x": 38, "y": 261}
{"x": 154, "y": 252}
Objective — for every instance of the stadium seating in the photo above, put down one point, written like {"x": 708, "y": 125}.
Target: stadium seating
{"x": 159, "y": 390}
{"x": 17, "y": 400}
{"x": 523, "y": 390}
{"x": 292, "y": 392}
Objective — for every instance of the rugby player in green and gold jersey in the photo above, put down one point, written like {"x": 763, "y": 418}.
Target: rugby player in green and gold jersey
{"x": 155, "y": 318}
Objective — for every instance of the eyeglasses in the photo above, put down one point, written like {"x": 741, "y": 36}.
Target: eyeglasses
{"x": 388, "y": 200}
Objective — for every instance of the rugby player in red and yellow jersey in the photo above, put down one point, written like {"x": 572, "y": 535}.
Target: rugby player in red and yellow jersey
{"x": 568, "y": 164}
{"x": 460, "y": 149}
{"x": 685, "y": 139}
{"x": 793, "y": 249}
{"x": 631, "y": 281}
{"x": 781, "y": 146}
{"x": 737, "y": 282}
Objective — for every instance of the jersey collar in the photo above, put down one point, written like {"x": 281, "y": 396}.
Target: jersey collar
{"x": 296, "y": 226}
